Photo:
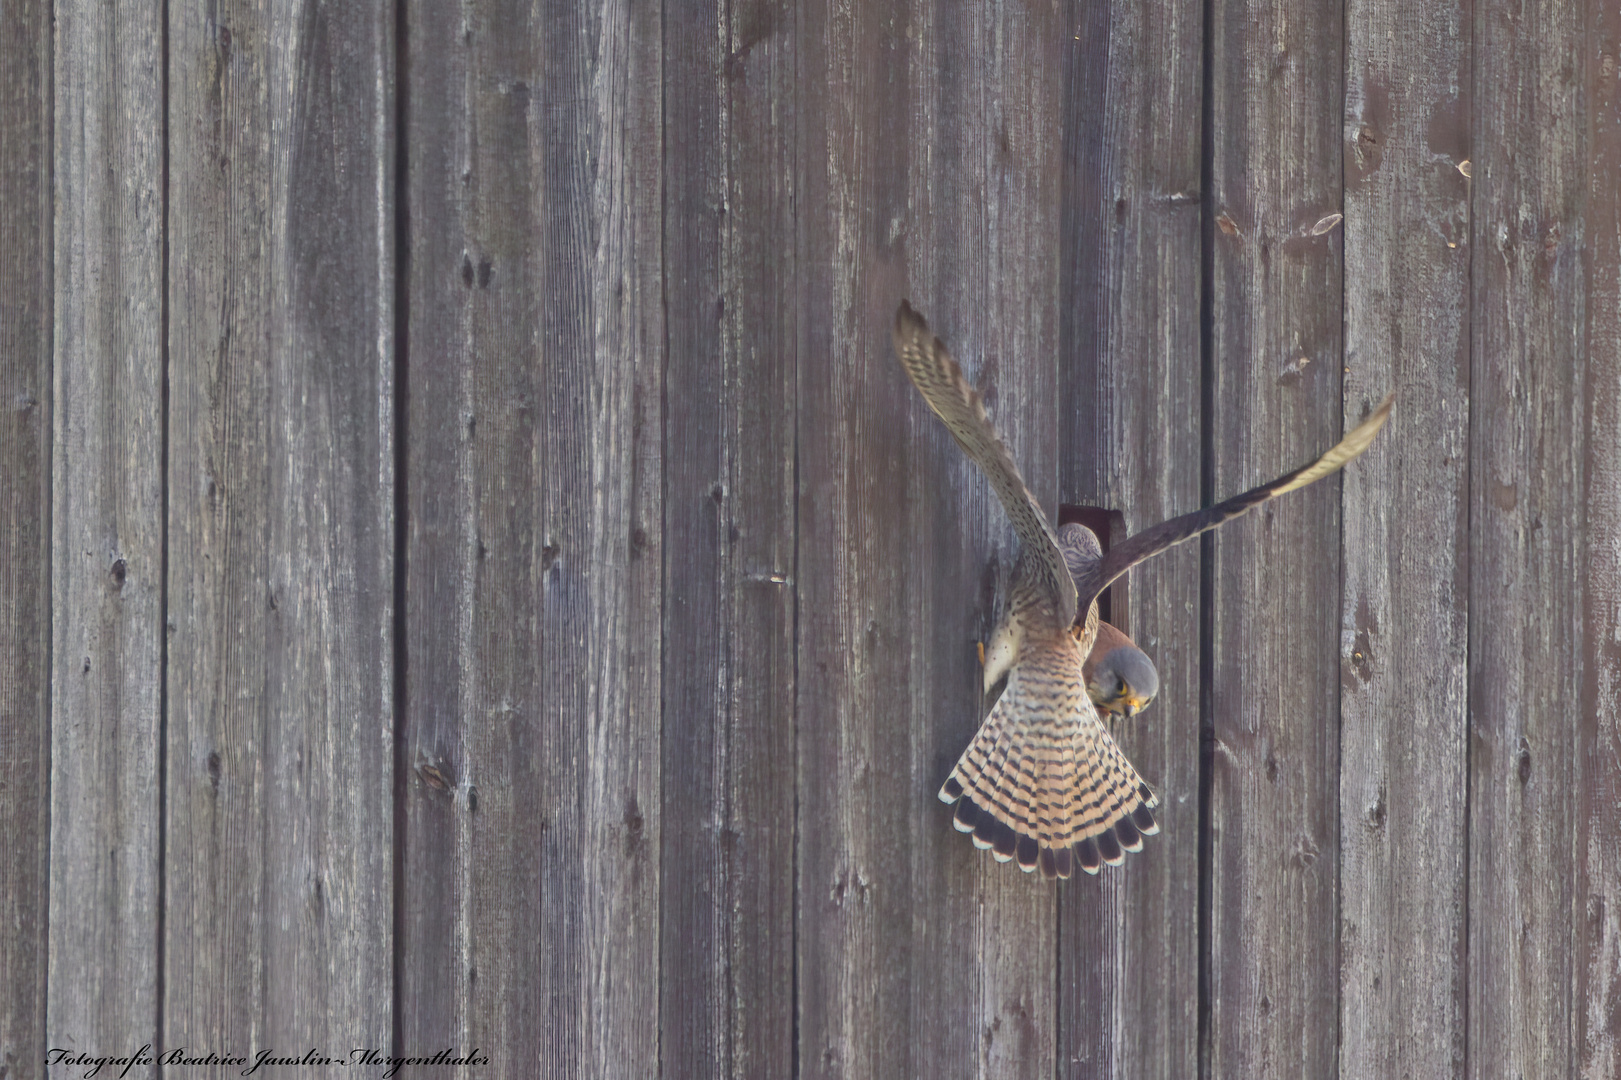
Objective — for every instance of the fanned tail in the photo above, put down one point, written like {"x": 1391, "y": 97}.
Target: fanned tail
{"x": 1049, "y": 787}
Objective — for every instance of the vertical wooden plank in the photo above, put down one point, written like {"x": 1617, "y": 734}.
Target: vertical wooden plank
{"x": 440, "y": 558}
{"x": 928, "y": 169}
{"x": 107, "y": 528}
{"x": 860, "y": 803}
{"x": 1130, "y": 428}
{"x": 948, "y": 523}
{"x": 222, "y": 601}
{"x": 614, "y": 705}
{"x": 1527, "y": 448}
{"x": 727, "y": 938}
{"x": 1596, "y": 908}
{"x": 25, "y": 523}
{"x": 280, "y": 736}
{"x": 534, "y": 545}
{"x": 1275, "y": 397}
{"x": 1404, "y": 615}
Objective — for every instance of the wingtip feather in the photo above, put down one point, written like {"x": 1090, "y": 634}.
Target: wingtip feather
{"x": 1109, "y": 848}
{"x": 1127, "y": 834}
{"x": 1064, "y": 863}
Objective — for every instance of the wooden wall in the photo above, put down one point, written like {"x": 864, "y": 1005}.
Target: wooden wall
{"x": 473, "y": 575}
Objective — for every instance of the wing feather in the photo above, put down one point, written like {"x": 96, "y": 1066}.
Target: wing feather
{"x": 1150, "y": 542}
{"x": 940, "y": 380}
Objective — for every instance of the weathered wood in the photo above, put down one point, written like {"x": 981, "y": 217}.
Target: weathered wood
{"x": 862, "y": 803}
{"x": 281, "y": 455}
{"x": 1528, "y": 404}
{"x": 436, "y": 974}
{"x": 438, "y": 564}
{"x": 1275, "y": 393}
{"x": 531, "y": 777}
{"x": 25, "y": 525}
{"x": 641, "y": 789}
{"x": 107, "y": 529}
{"x": 1595, "y": 945}
{"x": 727, "y": 927}
{"x": 1130, "y": 380}
{"x": 1404, "y": 613}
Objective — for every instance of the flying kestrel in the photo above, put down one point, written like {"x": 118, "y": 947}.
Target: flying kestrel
{"x": 1043, "y": 781}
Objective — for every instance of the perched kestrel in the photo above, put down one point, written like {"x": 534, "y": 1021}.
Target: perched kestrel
{"x": 1043, "y": 781}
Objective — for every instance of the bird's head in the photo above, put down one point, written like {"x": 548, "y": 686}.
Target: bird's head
{"x": 1125, "y": 682}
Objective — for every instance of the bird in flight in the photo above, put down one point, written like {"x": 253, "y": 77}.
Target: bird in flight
{"x": 1043, "y": 782}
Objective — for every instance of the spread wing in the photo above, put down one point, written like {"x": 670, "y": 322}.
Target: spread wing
{"x": 940, "y": 381}
{"x": 1150, "y": 542}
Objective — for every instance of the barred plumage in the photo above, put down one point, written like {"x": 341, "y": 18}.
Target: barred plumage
{"x": 1043, "y": 768}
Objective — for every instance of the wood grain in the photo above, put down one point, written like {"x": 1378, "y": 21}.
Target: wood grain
{"x": 727, "y": 927}
{"x": 1404, "y": 611}
{"x": 861, "y": 561}
{"x": 1595, "y": 945}
{"x": 1528, "y": 448}
{"x": 435, "y": 787}
{"x": 1130, "y": 374}
{"x": 281, "y": 537}
{"x": 107, "y": 529}
{"x": 25, "y": 530}
{"x": 1276, "y": 403}
{"x": 682, "y": 628}
{"x": 531, "y": 776}
{"x": 1527, "y": 445}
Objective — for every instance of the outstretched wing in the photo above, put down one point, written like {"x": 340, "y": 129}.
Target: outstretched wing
{"x": 940, "y": 381}
{"x": 1150, "y": 542}
{"x": 1044, "y": 782}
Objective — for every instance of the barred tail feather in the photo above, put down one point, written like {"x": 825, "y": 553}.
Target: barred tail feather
{"x": 1052, "y": 794}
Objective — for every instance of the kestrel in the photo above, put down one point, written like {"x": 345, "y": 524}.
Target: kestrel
{"x": 1043, "y": 781}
